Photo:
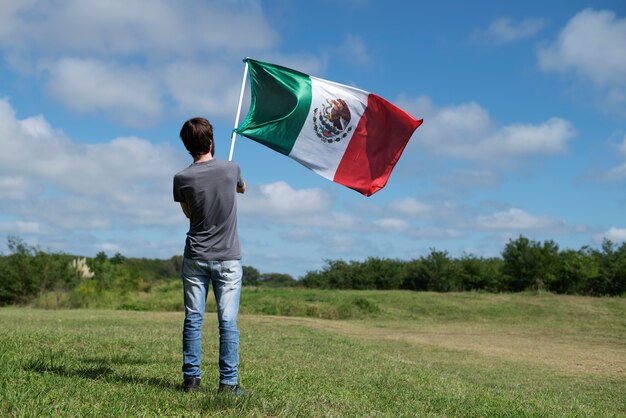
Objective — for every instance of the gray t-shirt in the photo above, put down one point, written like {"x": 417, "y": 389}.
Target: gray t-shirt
{"x": 209, "y": 190}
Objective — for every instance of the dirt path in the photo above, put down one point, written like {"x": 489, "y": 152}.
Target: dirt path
{"x": 567, "y": 353}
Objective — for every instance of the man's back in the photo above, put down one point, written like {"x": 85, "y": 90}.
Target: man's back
{"x": 209, "y": 190}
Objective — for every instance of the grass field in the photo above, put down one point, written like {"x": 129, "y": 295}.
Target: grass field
{"x": 402, "y": 354}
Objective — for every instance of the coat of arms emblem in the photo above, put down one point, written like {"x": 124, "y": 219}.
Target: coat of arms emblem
{"x": 331, "y": 121}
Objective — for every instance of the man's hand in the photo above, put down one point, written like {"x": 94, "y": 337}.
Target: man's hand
{"x": 242, "y": 189}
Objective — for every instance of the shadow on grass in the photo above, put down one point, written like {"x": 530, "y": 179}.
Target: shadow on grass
{"x": 95, "y": 373}
{"x": 117, "y": 359}
{"x": 101, "y": 372}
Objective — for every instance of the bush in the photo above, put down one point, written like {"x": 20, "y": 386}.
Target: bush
{"x": 575, "y": 271}
{"x": 378, "y": 273}
{"x": 528, "y": 265}
{"x": 276, "y": 280}
{"x": 28, "y": 271}
{"x": 435, "y": 272}
{"x": 611, "y": 277}
{"x": 52, "y": 280}
{"x": 250, "y": 276}
{"x": 477, "y": 273}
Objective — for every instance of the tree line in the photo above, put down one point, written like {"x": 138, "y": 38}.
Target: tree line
{"x": 524, "y": 265}
{"x": 27, "y": 271}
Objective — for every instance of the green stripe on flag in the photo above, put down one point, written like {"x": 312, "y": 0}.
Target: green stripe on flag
{"x": 281, "y": 99}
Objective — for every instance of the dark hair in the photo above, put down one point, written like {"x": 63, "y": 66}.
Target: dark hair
{"x": 197, "y": 135}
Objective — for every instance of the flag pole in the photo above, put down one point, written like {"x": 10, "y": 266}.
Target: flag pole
{"x": 243, "y": 86}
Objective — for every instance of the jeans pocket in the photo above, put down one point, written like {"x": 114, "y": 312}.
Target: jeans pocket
{"x": 231, "y": 270}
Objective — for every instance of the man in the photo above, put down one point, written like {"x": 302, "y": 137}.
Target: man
{"x": 206, "y": 193}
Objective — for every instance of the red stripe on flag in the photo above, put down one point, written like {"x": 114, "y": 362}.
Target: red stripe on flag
{"x": 375, "y": 147}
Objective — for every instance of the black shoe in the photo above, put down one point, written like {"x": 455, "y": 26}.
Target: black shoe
{"x": 234, "y": 390}
{"x": 192, "y": 384}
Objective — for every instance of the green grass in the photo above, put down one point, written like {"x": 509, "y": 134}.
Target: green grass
{"x": 403, "y": 354}
{"x": 167, "y": 296}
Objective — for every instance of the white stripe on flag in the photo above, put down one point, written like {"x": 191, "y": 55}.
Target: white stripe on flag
{"x": 309, "y": 149}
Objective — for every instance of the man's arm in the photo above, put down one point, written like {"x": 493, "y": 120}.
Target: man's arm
{"x": 185, "y": 209}
{"x": 242, "y": 188}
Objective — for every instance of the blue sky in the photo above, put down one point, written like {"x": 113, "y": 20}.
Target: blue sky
{"x": 524, "y": 108}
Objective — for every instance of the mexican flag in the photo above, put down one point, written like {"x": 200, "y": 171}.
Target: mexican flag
{"x": 347, "y": 135}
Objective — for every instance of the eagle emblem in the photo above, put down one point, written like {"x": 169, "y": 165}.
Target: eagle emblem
{"x": 331, "y": 121}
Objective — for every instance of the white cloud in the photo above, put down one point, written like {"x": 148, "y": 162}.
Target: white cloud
{"x": 8, "y": 11}
{"x": 280, "y": 204}
{"x": 392, "y": 224}
{"x": 132, "y": 95}
{"x": 78, "y": 167}
{"x": 123, "y": 182}
{"x": 281, "y": 200}
{"x": 354, "y": 50}
{"x": 341, "y": 244}
{"x": 435, "y": 232}
{"x": 199, "y": 88}
{"x": 591, "y": 44}
{"x": 410, "y": 207}
{"x": 14, "y": 187}
{"x": 333, "y": 220}
{"x": 300, "y": 235}
{"x": 518, "y": 219}
{"x": 444, "y": 217}
{"x": 467, "y": 131}
{"x": 592, "y": 47}
{"x": 613, "y": 234}
{"x": 616, "y": 173}
{"x": 503, "y": 30}
{"x": 443, "y": 214}
{"x": 153, "y": 28}
{"x": 470, "y": 178}
{"x": 134, "y": 62}
{"x": 20, "y": 227}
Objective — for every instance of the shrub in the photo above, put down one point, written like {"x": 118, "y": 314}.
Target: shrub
{"x": 276, "y": 280}
{"x": 575, "y": 270}
{"x": 250, "y": 276}
{"x": 435, "y": 272}
{"x": 476, "y": 273}
{"x": 528, "y": 265}
{"x": 611, "y": 277}
{"x": 28, "y": 271}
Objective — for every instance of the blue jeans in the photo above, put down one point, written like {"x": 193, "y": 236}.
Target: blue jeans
{"x": 226, "y": 279}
